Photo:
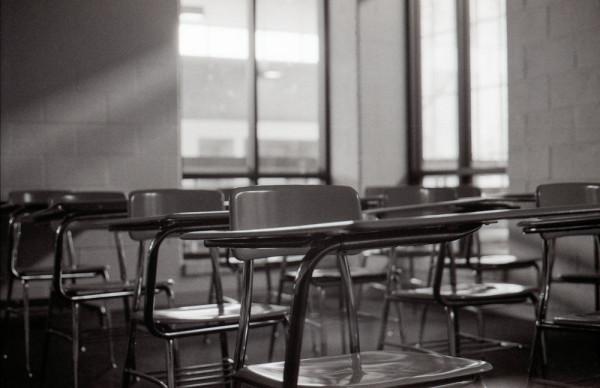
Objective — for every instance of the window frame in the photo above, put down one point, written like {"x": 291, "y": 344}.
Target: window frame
{"x": 253, "y": 172}
{"x": 465, "y": 170}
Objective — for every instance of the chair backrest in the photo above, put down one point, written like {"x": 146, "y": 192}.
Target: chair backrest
{"x": 88, "y": 196}
{"x": 412, "y": 195}
{"x": 159, "y": 202}
{"x": 288, "y": 205}
{"x": 466, "y": 191}
{"x": 34, "y": 197}
{"x": 568, "y": 193}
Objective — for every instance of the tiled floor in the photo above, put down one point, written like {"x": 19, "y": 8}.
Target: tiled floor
{"x": 571, "y": 356}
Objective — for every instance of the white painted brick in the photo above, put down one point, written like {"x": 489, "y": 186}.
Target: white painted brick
{"x": 80, "y": 173}
{"x": 535, "y": 4}
{"x": 37, "y": 139}
{"x": 95, "y": 140}
{"x": 549, "y": 127}
{"x": 535, "y": 59}
{"x": 120, "y": 77}
{"x": 587, "y": 123}
{"x": 515, "y": 6}
{"x": 516, "y": 61}
{"x": 538, "y": 162}
{"x": 72, "y": 106}
{"x": 144, "y": 171}
{"x": 572, "y": 162}
{"x": 526, "y": 27}
{"x": 516, "y": 161}
{"x": 157, "y": 84}
{"x": 535, "y": 24}
{"x": 517, "y": 97}
{"x": 588, "y": 48}
{"x": 516, "y": 132}
{"x": 565, "y": 88}
{"x": 577, "y": 87}
{"x": 559, "y": 55}
{"x": 549, "y": 57}
{"x": 587, "y": 13}
{"x": 561, "y": 18}
{"x": 537, "y": 94}
{"x": 126, "y": 107}
{"x": 21, "y": 172}
{"x": 30, "y": 112}
{"x": 591, "y": 87}
{"x": 157, "y": 140}
{"x": 529, "y": 161}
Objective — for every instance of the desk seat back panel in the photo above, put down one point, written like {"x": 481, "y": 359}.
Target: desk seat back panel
{"x": 289, "y": 205}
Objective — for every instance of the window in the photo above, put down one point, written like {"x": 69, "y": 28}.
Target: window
{"x": 252, "y": 92}
{"x": 458, "y": 89}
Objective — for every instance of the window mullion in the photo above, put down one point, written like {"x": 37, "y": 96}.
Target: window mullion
{"x": 252, "y": 159}
{"x": 415, "y": 127}
{"x": 464, "y": 89}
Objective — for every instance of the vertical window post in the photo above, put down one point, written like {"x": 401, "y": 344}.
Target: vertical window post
{"x": 464, "y": 92}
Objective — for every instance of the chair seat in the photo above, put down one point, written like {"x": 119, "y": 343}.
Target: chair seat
{"x": 46, "y": 273}
{"x": 467, "y": 293}
{"x": 588, "y": 278}
{"x": 375, "y": 369}
{"x": 106, "y": 289}
{"x": 491, "y": 262}
{"x": 203, "y": 314}
{"x": 359, "y": 274}
{"x": 581, "y": 320}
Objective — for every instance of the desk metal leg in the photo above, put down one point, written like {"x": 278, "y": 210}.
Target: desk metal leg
{"x": 245, "y": 311}
{"x": 453, "y": 336}
{"x": 170, "y": 360}
{"x": 27, "y": 327}
{"x": 298, "y": 313}
{"x": 75, "y": 343}
{"x": 384, "y": 321}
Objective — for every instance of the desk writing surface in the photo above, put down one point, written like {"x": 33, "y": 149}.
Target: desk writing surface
{"x": 216, "y": 218}
{"x": 426, "y": 206}
{"x": 60, "y": 210}
{"x": 404, "y": 223}
{"x": 488, "y": 215}
{"x": 514, "y": 197}
{"x": 337, "y": 227}
{"x": 581, "y": 221}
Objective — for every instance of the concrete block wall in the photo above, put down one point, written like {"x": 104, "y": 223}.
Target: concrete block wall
{"x": 89, "y": 101}
{"x": 554, "y": 91}
{"x": 554, "y": 113}
{"x": 89, "y": 95}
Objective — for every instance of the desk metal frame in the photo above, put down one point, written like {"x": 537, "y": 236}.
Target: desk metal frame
{"x": 321, "y": 239}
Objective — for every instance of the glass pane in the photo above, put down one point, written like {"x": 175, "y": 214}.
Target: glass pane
{"x": 439, "y": 84}
{"x": 289, "y": 181}
{"x": 489, "y": 105}
{"x": 440, "y": 181}
{"x": 287, "y": 53}
{"x": 491, "y": 183}
{"x": 213, "y": 48}
{"x": 215, "y": 184}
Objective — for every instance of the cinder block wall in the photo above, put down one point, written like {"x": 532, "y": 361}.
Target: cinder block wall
{"x": 89, "y": 100}
{"x": 89, "y": 95}
{"x": 554, "y": 91}
{"x": 554, "y": 110}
